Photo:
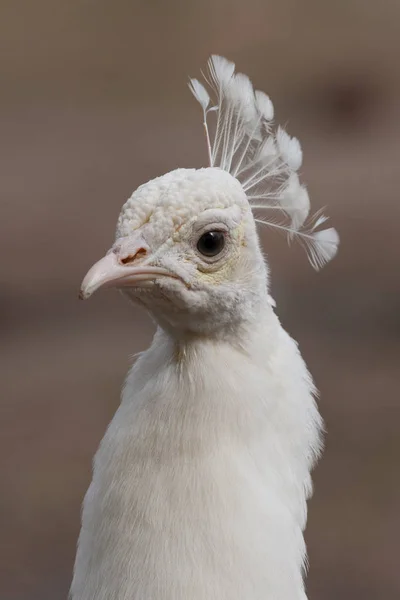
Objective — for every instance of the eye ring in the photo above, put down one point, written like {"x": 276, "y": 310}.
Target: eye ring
{"x": 211, "y": 243}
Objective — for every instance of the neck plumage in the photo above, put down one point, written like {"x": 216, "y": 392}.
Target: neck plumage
{"x": 200, "y": 484}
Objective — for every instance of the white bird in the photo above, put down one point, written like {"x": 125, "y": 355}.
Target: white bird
{"x": 200, "y": 484}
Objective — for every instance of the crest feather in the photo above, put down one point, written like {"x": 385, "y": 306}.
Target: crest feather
{"x": 264, "y": 105}
{"x": 200, "y": 93}
{"x": 265, "y": 162}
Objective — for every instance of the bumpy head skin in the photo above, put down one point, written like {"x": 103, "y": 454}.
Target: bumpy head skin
{"x": 165, "y": 203}
{"x": 158, "y": 262}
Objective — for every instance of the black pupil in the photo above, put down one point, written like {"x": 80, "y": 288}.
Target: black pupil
{"x": 211, "y": 243}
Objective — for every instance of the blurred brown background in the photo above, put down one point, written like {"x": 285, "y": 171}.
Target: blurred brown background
{"x": 94, "y": 102}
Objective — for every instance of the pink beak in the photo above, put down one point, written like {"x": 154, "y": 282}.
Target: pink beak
{"x": 108, "y": 272}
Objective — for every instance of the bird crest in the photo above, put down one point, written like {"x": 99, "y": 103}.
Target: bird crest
{"x": 264, "y": 158}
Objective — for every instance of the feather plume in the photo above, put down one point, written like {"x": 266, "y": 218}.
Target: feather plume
{"x": 290, "y": 149}
{"x": 295, "y": 201}
{"x": 264, "y": 161}
{"x": 203, "y": 97}
{"x": 200, "y": 93}
{"x": 264, "y": 105}
{"x": 221, "y": 71}
{"x": 321, "y": 246}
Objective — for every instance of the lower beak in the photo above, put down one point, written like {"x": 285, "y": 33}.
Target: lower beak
{"x": 108, "y": 272}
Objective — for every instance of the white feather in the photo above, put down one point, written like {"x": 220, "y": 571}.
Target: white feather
{"x": 242, "y": 97}
{"x": 302, "y": 208}
{"x": 200, "y": 93}
{"x": 290, "y": 149}
{"x": 264, "y": 105}
{"x": 295, "y": 201}
{"x": 322, "y": 247}
{"x": 221, "y": 71}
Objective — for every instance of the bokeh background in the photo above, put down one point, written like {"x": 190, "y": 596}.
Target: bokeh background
{"x": 94, "y": 102}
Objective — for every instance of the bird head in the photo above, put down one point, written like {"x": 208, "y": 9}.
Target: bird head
{"x": 187, "y": 249}
{"x": 186, "y": 245}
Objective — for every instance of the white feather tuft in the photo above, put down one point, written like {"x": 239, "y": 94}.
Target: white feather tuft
{"x": 301, "y": 209}
{"x": 264, "y": 161}
{"x": 221, "y": 71}
{"x": 295, "y": 201}
{"x": 200, "y": 93}
{"x": 322, "y": 247}
{"x": 290, "y": 149}
{"x": 264, "y": 105}
{"x": 243, "y": 99}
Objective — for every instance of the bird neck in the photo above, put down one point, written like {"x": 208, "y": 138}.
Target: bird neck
{"x": 204, "y": 470}
{"x": 234, "y": 328}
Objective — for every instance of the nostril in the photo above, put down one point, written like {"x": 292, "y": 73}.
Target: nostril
{"x": 135, "y": 257}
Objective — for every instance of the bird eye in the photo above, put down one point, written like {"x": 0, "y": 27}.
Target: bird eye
{"x": 211, "y": 243}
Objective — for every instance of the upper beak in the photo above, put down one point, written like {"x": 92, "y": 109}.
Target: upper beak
{"x": 108, "y": 272}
